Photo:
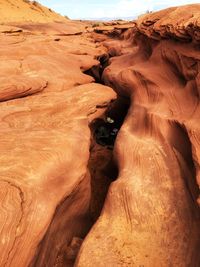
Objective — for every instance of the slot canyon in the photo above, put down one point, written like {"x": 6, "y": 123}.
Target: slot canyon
{"x": 100, "y": 140}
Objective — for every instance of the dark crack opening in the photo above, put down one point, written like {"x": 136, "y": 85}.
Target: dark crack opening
{"x": 102, "y": 166}
{"x": 97, "y": 70}
{"x": 69, "y": 226}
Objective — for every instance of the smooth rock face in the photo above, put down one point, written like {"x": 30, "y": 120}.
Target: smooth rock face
{"x": 19, "y": 86}
{"x": 45, "y": 139}
{"x": 47, "y": 101}
{"x": 151, "y": 217}
{"x": 25, "y": 10}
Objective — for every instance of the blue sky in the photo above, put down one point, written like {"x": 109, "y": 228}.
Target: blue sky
{"x": 79, "y": 9}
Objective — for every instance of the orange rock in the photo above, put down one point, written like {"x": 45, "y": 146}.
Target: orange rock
{"x": 45, "y": 188}
{"x": 150, "y": 217}
{"x": 25, "y": 10}
{"x": 19, "y": 86}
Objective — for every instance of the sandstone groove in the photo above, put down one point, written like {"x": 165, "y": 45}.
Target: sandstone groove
{"x": 68, "y": 199}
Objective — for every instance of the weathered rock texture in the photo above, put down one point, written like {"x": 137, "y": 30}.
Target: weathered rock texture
{"x": 151, "y": 217}
{"x": 45, "y": 140}
{"x": 47, "y": 102}
{"x": 25, "y": 10}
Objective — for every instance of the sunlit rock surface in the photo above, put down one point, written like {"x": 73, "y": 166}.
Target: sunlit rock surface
{"x": 26, "y": 10}
{"x": 45, "y": 139}
{"x": 50, "y": 164}
{"x": 151, "y": 217}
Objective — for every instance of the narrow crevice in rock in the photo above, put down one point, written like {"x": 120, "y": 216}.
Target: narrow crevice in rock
{"x": 97, "y": 70}
{"x": 102, "y": 166}
{"x": 61, "y": 243}
{"x": 64, "y": 236}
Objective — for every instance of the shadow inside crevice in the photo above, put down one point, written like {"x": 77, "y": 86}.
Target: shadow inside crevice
{"x": 102, "y": 165}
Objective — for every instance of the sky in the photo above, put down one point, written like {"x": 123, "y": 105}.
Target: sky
{"x": 80, "y": 9}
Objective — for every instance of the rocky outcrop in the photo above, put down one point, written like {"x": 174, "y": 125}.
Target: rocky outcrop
{"x": 25, "y": 10}
{"x": 45, "y": 140}
{"x": 180, "y": 23}
{"x": 151, "y": 217}
{"x": 54, "y": 176}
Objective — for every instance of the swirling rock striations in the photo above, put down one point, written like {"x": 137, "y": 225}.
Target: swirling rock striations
{"x": 151, "y": 217}
{"x": 46, "y": 105}
{"x": 47, "y": 100}
{"x": 181, "y": 23}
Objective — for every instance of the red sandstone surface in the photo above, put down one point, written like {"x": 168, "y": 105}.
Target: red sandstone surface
{"x": 56, "y": 80}
{"x": 26, "y": 10}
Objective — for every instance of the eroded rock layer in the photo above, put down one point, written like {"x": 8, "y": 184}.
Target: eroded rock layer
{"x": 26, "y": 10}
{"x": 151, "y": 216}
{"x": 47, "y": 103}
{"x": 50, "y": 164}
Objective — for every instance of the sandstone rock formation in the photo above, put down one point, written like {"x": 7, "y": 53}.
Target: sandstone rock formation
{"x": 26, "y": 10}
{"x": 45, "y": 139}
{"x": 150, "y": 217}
{"x": 55, "y": 177}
